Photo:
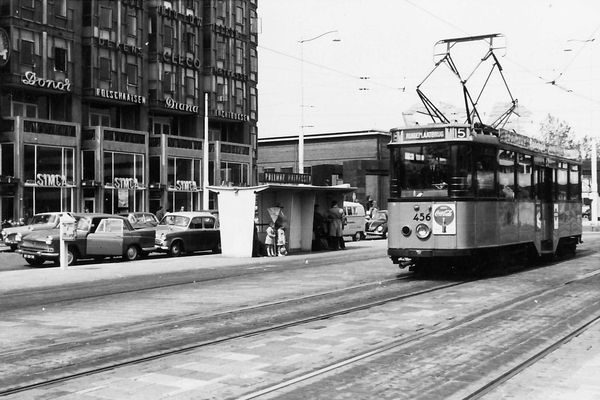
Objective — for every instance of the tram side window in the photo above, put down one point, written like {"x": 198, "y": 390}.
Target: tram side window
{"x": 562, "y": 180}
{"x": 524, "y": 177}
{"x": 506, "y": 173}
{"x": 574, "y": 183}
{"x": 461, "y": 179}
{"x": 485, "y": 162}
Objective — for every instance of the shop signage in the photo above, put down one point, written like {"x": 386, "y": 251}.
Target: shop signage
{"x": 50, "y": 180}
{"x": 230, "y": 115}
{"x": 126, "y": 183}
{"x": 124, "y": 47}
{"x": 181, "y": 60}
{"x": 30, "y": 78}
{"x": 172, "y": 14}
{"x": 113, "y": 95}
{"x": 172, "y": 104}
{"x": 285, "y": 177}
{"x": 189, "y": 186}
{"x": 4, "y": 47}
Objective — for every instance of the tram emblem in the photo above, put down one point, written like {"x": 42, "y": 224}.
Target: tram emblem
{"x": 444, "y": 219}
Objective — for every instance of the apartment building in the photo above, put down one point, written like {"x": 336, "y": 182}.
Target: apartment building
{"x": 110, "y": 105}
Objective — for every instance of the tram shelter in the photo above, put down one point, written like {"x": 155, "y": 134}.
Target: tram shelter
{"x": 244, "y": 210}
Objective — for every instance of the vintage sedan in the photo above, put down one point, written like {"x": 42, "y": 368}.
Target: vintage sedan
{"x": 377, "y": 225}
{"x": 187, "y": 232}
{"x": 140, "y": 220}
{"x": 12, "y": 236}
{"x": 97, "y": 236}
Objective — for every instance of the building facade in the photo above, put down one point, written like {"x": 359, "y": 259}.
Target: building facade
{"x": 105, "y": 104}
{"x": 360, "y": 159}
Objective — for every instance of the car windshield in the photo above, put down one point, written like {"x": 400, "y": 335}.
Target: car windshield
{"x": 380, "y": 215}
{"x": 176, "y": 220}
{"x": 41, "y": 219}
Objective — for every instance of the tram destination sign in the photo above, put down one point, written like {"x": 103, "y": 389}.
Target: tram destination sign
{"x": 433, "y": 133}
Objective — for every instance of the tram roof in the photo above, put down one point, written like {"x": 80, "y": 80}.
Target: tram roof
{"x": 432, "y": 133}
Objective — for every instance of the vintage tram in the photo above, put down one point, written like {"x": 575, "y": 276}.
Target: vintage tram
{"x": 468, "y": 195}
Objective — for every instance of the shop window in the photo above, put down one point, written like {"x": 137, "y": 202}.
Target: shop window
{"x": 27, "y": 52}
{"x": 106, "y": 18}
{"x": 132, "y": 75}
{"x": 105, "y": 69}
{"x": 60, "y": 59}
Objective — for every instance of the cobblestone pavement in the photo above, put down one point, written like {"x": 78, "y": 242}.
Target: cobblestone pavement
{"x": 230, "y": 370}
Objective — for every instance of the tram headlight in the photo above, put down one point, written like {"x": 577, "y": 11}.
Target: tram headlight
{"x": 406, "y": 231}
{"x": 422, "y": 231}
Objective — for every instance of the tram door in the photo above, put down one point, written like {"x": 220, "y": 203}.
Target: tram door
{"x": 546, "y": 207}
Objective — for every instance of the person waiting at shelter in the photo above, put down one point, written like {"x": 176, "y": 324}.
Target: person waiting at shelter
{"x": 335, "y": 218}
{"x": 319, "y": 233}
{"x": 270, "y": 240}
{"x": 281, "y": 249}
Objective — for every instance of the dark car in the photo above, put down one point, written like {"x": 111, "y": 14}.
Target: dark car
{"x": 377, "y": 225}
{"x": 13, "y": 235}
{"x": 140, "y": 220}
{"x": 98, "y": 236}
{"x": 188, "y": 231}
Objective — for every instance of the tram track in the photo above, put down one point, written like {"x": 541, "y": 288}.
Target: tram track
{"x": 215, "y": 328}
{"x": 416, "y": 338}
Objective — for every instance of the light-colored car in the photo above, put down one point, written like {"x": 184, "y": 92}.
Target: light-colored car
{"x": 140, "y": 220}
{"x": 354, "y": 220}
{"x": 187, "y": 232}
{"x": 12, "y": 236}
{"x": 97, "y": 236}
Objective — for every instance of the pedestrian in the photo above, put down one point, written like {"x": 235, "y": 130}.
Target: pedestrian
{"x": 281, "y": 249}
{"x": 270, "y": 240}
{"x": 320, "y": 236}
{"x": 335, "y": 217}
{"x": 182, "y": 209}
{"x": 160, "y": 213}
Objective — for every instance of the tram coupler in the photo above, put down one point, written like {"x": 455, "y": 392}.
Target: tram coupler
{"x": 404, "y": 262}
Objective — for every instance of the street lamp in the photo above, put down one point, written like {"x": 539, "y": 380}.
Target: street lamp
{"x": 302, "y": 126}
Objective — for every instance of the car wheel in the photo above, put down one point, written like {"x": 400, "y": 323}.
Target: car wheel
{"x": 176, "y": 249}
{"x": 131, "y": 253}
{"x": 357, "y": 237}
{"x": 36, "y": 262}
{"x": 71, "y": 257}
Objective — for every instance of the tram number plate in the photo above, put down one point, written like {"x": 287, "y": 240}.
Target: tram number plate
{"x": 422, "y": 217}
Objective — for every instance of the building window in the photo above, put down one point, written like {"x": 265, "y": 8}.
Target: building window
{"x": 105, "y": 18}
{"x": 234, "y": 173}
{"x": 132, "y": 75}
{"x": 190, "y": 86}
{"x": 60, "y": 59}
{"x": 27, "y": 110}
{"x": 27, "y": 52}
{"x": 132, "y": 25}
{"x": 191, "y": 42}
{"x": 168, "y": 36}
{"x": 60, "y": 8}
{"x": 99, "y": 119}
{"x": 168, "y": 82}
{"x": 105, "y": 69}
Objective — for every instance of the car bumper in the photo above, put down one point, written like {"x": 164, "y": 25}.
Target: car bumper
{"x": 36, "y": 254}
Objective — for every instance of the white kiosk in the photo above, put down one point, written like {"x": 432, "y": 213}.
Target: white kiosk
{"x": 244, "y": 209}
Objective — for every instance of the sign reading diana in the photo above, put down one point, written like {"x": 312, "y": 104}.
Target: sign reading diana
{"x": 31, "y": 79}
{"x": 113, "y": 95}
{"x": 172, "y": 104}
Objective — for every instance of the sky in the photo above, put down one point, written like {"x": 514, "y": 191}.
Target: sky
{"x": 549, "y": 62}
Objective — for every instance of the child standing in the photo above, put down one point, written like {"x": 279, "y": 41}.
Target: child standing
{"x": 270, "y": 240}
{"x": 281, "y": 250}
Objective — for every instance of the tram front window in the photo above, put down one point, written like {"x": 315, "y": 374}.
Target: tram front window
{"x": 438, "y": 170}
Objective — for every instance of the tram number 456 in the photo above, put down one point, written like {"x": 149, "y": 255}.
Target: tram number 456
{"x": 422, "y": 217}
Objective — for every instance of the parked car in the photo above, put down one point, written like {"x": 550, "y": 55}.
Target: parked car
{"x": 12, "y": 236}
{"x": 187, "y": 232}
{"x": 140, "y": 220}
{"x": 98, "y": 236}
{"x": 377, "y": 225}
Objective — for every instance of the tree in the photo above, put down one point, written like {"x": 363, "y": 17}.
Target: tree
{"x": 559, "y": 133}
